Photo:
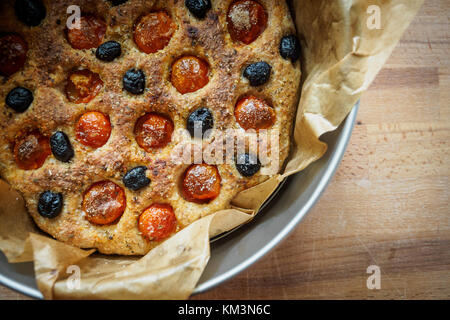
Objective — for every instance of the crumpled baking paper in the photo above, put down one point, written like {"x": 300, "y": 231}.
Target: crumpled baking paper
{"x": 344, "y": 45}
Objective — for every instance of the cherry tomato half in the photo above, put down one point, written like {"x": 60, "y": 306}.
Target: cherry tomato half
{"x": 13, "y": 53}
{"x": 90, "y": 34}
{"x": 82, "y": 86}
{"x": 246, "y": 20}
{"x": 201, "y": 183}
{"x": 31, "y": 151}
{"x": 93, "y": 129}
{"x": 153, "y": 131}
{"x": 157, "y": 222}
{"x": 104, "y": 203}
{"x": 254, "y": 113}
{"x": 154, "y": 31}
{"x": 189, "y": 74}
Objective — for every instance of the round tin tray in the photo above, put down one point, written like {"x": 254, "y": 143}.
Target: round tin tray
{"x": 236, "y": 250}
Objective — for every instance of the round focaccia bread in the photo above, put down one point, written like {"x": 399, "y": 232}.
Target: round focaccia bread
{"x": 95, "y": 136}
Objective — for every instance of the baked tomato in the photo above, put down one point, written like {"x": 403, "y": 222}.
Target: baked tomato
{"x": 104, "y": 203}
{"x": 201, "y": 183}
{"x": 93, "y": 129}
{"x": 246, "y": 19}
{"x": 254, "y": 113}
{"x": 189, "y": 74}
{"x": 13, "y": 53}
{"x": 153, "y": 131}
{"x": 82, "y": 86}
{"x": 31, "y": 151}
{"x": 90, "y": 34}
{"x": 154, "y": 31}
{"x": 157, "y": 222}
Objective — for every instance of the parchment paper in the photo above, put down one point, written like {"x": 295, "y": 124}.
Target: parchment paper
{"x": 341, "y": 54}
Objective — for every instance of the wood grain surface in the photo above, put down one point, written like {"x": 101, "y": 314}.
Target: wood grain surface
{"x": 388, "y": 204}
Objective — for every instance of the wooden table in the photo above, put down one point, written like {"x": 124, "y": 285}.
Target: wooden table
{"x": 388, "y": 204}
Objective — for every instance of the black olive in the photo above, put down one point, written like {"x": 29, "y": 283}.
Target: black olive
{"x": 258, "y": 73}
{"x": 117, "y": 2}
{"x": 198, "y": 8}
{"x": 136, "y": 179}
{"x": 61, "y": 146}
{"x": 134, "y": 81}
{"x": 290, "y": 48}
{"x": 30, "y": 12}
{"x": 200, "y": 119}
{"x": 108, "y": 51}
{"x": 247, "y": 164}
{"x": 19, "y": 99}
{"x": 50, "y": 204}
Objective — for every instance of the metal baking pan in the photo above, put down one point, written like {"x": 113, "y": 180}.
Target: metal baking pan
{"x": 233, "y": 252}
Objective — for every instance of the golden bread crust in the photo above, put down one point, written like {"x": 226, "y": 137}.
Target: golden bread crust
{"x": 50, "y": 59}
